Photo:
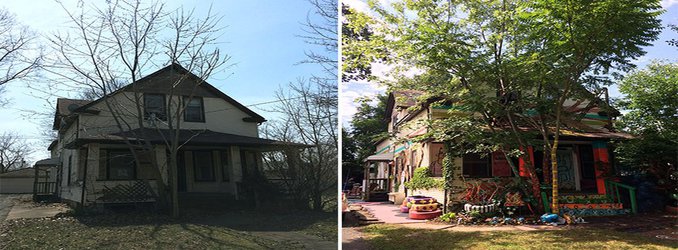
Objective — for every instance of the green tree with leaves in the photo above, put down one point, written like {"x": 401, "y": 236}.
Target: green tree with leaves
{"x": 512, "y": 64}
{"x": 650, "y": 98}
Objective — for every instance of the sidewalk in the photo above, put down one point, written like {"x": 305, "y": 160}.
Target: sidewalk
{"x": 25, "y": 210}
{"x": 387, "y": 212}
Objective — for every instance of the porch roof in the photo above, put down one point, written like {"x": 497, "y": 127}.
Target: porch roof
{"x": 380, "y": 157}
{"x": 47, "y": 162}
{"x": 187, "y": 137}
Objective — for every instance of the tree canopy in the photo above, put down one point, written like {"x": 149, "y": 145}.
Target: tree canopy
{"x": 513, "y": 63}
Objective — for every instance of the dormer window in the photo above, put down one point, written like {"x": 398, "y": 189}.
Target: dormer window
{"x": 195, "y": 110}
{"x": 154, "y": 107}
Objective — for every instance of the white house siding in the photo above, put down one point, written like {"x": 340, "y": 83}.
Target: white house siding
{"x": 70, "y": 191}
{"x": 220, "y": 116}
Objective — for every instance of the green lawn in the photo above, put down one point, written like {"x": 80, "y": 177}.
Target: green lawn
{"x": 233, "y": 230}
{"x": 393, "y": 237}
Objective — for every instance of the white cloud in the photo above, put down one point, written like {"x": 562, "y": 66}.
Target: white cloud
{"x": 357, "y": 5}
{"x": 350, "y": 92}
{"x": 666, "y": 4}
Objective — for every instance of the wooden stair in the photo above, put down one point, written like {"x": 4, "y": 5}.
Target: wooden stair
{"x": 584, "y": 205}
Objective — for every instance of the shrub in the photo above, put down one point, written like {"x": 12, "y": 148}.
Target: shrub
{"x": 422, "y": 180}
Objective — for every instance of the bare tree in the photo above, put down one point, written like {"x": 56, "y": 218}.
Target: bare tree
{"x": 308, "y": 119}
{"x": 120, "y": 43}
{"x": 320, "y": 31}
{"x": 13, "y": 152}
{"x": 309, "y": 115}
{"x": 18, "y": 57}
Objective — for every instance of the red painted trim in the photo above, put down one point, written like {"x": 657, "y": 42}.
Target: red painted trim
{"x": 600, "y": 156}
{"x": 521, "y": 163}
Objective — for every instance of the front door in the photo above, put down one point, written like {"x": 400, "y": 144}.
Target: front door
{"x": 566, "y": 174}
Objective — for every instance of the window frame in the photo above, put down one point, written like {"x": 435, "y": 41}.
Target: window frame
{"x": 164, "y": 106}
{"x": 186, "y": 101}
{"x": 108, "y": 165}
{"x": 488, "y": 162}
{"x": 195, "y": 166}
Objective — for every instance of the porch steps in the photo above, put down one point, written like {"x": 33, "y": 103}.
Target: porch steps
{"x": 585, "y": 205}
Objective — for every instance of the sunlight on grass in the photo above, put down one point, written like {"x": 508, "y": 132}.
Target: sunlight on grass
{"x": 393, "y": 237}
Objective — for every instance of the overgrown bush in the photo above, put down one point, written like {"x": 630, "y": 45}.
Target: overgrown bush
{"x": 422, "y": 180}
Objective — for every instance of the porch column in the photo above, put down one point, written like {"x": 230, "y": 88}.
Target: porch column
{"x": 236, "y": 170}
{"x": 601, "y": 163}
{"x": 163, "y": 162}
{"x": 93, "y": 168}
{"x": 522, "y": 169}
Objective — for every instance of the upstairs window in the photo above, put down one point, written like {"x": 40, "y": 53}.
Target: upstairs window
{"x": 154, "y": 107}
{"x": 195, "y": 110}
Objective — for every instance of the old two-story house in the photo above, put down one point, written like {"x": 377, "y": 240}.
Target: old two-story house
{"x": 583, "y": 156}
{"x": 218, "y": 138}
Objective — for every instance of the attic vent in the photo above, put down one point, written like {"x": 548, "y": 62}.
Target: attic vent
{"x": 72, "y": 107}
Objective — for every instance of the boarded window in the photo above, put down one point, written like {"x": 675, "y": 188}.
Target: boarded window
{"x": 203, "y": 166}
{"x": 154, "y": 107}
{"x": 476, "y": 166}
{"x": 121, "y": 165}
{"x": 195, "y": 110}
{"x": 226, "y": 166}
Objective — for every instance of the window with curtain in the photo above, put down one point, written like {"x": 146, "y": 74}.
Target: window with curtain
{"x": 154, "y": 107}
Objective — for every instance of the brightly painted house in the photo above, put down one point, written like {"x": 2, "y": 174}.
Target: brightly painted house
{"x": 583, "y": 156}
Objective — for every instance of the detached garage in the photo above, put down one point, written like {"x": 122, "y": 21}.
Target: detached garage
{"x": 17, "y": 181}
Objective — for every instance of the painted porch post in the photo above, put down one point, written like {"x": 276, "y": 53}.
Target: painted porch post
{"x": 602, "y": 163}
{"x": 522, "y": 169}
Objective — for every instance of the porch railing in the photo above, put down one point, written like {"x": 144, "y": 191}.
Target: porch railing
{"x": 612, "y": 191}
{"x": 545, "y": 198}
{"x": 45, "y": 187}
{"x": 377, "y": 185}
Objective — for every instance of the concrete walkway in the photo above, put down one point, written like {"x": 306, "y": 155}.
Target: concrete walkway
{"x": 24, "y": 210}
{"x": 388, "y": 213}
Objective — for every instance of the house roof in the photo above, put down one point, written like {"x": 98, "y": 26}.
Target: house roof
{"x": 52, "y": 145}
{"x": 47, "y": 162}
{"x": 380, "y": 157}
{"x": 178, "y": 68}
{"x": 66, "y": 107}
{"x": 401, "y": 98}
{"x": 186, "y": 136}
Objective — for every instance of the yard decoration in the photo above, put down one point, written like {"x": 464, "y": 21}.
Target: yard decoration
{"x": 424, "y": 215}
{"x": 421, "y": 207}
{"x": 480, "y": 197}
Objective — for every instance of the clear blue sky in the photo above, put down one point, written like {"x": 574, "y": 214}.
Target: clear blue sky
{"x": 260, "y": 36}
{"x": 659, "y": 50}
